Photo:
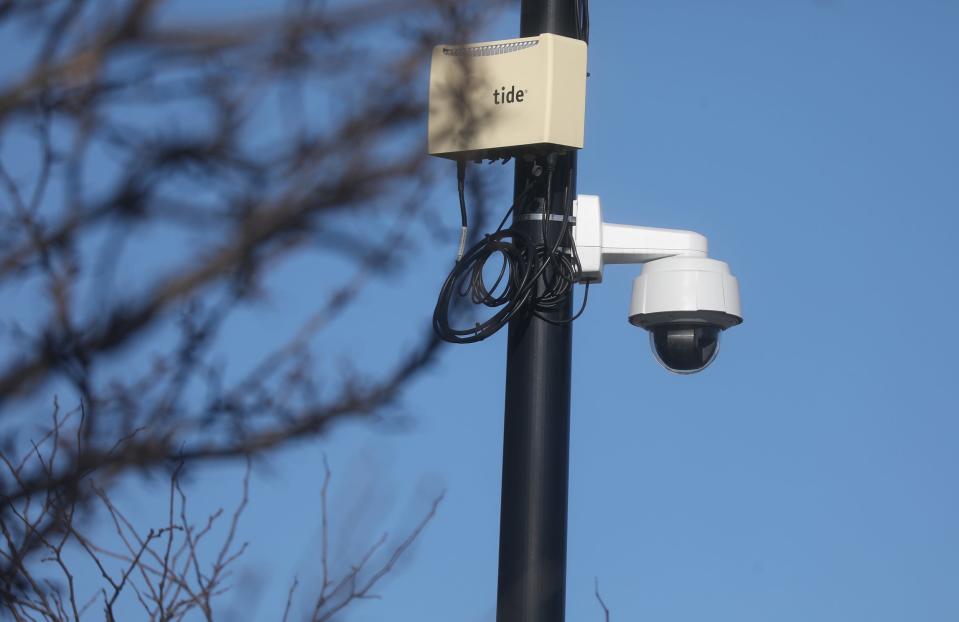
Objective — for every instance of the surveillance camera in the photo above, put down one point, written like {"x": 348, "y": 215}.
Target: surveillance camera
{"x": 682, "y": 297}
{"x": 685, "y": 303}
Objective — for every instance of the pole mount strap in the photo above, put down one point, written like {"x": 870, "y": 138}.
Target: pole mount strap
{"x": 541, "y": 216}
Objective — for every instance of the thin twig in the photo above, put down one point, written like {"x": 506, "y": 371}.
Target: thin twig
{"x": 600, "y": 598}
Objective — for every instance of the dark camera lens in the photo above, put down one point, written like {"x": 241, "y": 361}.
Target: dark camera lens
{"x": 685, "y": 348}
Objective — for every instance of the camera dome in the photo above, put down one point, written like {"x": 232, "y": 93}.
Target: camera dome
{"x": 685, "y": 303}
{"x": 685, "y": 348}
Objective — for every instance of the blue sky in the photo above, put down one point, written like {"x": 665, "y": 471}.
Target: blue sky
{"x": 811, "y": 472}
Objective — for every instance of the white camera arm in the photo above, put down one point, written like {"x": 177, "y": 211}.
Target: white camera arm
{"x": 599, "y": 243}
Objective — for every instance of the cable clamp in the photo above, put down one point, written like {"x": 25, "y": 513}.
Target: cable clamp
{"x": 540, "y": 216}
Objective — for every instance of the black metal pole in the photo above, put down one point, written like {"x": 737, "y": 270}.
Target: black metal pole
{"x": 532, "y": 550}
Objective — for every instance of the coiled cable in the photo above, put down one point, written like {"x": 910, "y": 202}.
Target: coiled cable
{"x": 534, "y": 275}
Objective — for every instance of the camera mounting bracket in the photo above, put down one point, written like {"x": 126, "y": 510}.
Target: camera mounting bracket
{"x": 599, "y": 243}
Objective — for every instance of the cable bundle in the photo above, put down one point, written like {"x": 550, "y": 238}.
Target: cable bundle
{"x": 533, "y": 275}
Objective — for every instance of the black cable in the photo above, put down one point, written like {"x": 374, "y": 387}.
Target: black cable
{"x": 585, "y": 32}
{"x": 461, "y": 189}
{"x": 539, "y": 276}
{"x": 582, "y": 20}
{"x": 582, "y": 307}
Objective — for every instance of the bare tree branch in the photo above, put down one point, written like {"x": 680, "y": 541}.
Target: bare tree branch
{"x": 600, "y": 599}
{"x": 157, "y": 168}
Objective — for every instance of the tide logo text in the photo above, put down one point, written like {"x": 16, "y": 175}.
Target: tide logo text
{"x": 502, "y": 96}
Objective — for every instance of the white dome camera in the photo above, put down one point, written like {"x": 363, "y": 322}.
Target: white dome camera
{"x": 685, "y": 303}
{"x": 682, "y": 297}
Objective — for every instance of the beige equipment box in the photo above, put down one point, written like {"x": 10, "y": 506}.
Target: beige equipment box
{"x": 507, "y": 98}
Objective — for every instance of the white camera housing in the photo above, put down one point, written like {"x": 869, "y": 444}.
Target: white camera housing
{"x": 506, "y": 98}
{"x": 682, "y": 297}
{"x": 685, "y": 288}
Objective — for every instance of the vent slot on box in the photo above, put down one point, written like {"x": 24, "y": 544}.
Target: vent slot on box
{"x": 490, "y": 50}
